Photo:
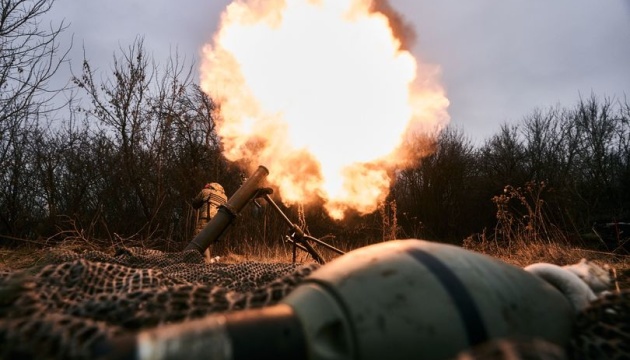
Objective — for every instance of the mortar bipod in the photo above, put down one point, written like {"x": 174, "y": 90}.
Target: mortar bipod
{"x": 296, "y": 235}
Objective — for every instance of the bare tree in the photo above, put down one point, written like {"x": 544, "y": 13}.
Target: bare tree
{"x": 602, "y": 130}
{"x": 163, "y": 145}
{"x": 551, "y": 144}
{"x": 29, "y": 57}
{"x": 438, "y": 191}
{"x": 503, "y": 158}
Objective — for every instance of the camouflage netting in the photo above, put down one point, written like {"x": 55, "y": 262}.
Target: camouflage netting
{"x": 71, "y": 302}
{"x": 68, "y": 305}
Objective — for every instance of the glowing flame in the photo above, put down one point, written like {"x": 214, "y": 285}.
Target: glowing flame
{"x": 322, "y": 93}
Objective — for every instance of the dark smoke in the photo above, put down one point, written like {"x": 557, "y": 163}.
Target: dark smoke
{"x": 403, "y": 30}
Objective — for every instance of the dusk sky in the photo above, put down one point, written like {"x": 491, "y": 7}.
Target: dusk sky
{"x": 499, "y": 60}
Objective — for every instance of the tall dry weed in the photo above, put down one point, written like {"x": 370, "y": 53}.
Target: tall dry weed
{"x": 525, "y": 234}
{"x": 522, "y": 216}
{"x": 389, "y": 220}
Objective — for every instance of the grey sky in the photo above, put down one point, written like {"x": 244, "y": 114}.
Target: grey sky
{"x": 500, "y": 59}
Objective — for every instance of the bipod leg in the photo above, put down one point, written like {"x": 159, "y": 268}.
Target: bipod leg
{"x": 298, "y": 235}
{"x": 299, "y": 239}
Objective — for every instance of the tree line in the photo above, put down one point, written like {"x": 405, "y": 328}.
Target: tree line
{"x": 570, "y": 165}
{"x": 139, "y": 142}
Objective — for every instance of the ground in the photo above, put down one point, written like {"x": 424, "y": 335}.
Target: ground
{"x": 30, "y": 254}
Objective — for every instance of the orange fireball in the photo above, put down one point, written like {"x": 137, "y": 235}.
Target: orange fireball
{"x": 322, "y": 93}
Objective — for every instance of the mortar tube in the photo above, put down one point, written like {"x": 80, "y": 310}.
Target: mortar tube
{"x": 226, "y": 214}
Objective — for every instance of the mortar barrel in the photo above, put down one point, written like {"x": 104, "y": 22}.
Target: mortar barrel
{"x": 226, "y": 214}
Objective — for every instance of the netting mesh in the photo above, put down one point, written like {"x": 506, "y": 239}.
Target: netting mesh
{"x": 70, "y": 302}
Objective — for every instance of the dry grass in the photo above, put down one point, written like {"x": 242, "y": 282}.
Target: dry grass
{"x": 259, "y": 253}
{"x": 29, "y": 254}
{"x": 523, "y": 252}
{"x": 11, "y": 259}
{"x": 518, "y": 254}
{"x": 281, "y": 252}
{"x": 525, "y": 235}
